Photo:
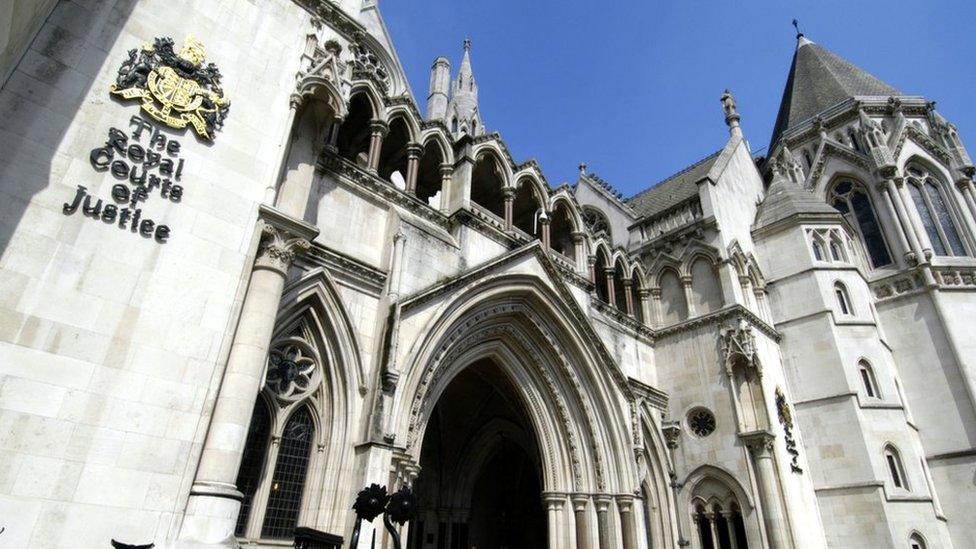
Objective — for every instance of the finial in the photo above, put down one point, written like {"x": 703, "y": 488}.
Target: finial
{"x": 796, "y": 25}
{"x": 582, "y": 168}
{"x": 467, "y": 44}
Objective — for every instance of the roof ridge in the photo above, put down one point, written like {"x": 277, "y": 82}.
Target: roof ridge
{"x": 678, "y": 173}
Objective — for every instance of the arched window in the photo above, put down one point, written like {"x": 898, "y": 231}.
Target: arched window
{"x": 916, "y": 541}
{"x": 474, "y": 127}
{"x": 806, "y": 158}
{"x": 596, "y": 222}
{"x": 926, "y": 191}
{"x": 600, "y": 276}
{"x": 674, "y": 306}
{"x": 837, "y": 249}
{"x": 867, "y": 379}
{"x": 844, "y": 306}
{"x": 288, "y": 482}
{"x": 896, "y": 472}
{"x": 818, "y": 251}
{"x": 619, "y": 287}
{"x": 852, "y": 200}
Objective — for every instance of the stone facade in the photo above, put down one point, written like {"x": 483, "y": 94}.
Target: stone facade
{"x": 756, "y": 352}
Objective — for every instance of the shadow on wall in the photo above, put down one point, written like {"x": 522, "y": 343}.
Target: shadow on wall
{"x": 42, "y": 98}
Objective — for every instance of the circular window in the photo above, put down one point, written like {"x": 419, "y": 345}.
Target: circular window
{"x": 701, "y": 422}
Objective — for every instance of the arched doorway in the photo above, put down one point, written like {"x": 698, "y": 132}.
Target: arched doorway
{"x": 480, "y": 482}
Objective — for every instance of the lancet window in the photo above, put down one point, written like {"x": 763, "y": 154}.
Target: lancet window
{"x": 930, "y": 201}
{"x": 852, "y": 200}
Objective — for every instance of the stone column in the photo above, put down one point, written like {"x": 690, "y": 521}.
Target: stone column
{"x": 271, "y": 191}
{"x": 729, "y": 517}
{"x": 582, "y": 520}
{"x": 628, "y": 295}
{"x": 602, "y": 502}
{"x": 413, "y": 166}
{"x": 713, "y": 529}
{"x": 215, "y": 502}
{"x": 746, "y": 285}
{"x": 611, "y": 291}
{"x": 447, "y": 176}
{"x": 645, "y": 304}
{"x": 914, "y": 221}
{"x": 656, "y": 307}
{"x": 331, "y": 142}
{"x": 689, "y": 296}
{"x": 579, "y": 252}
{"x": 625, "y": 504}
{"x": 378, "y": 129}
{"x": 908, "y": 239}
{"x": 544, "y": 226}
{"x": 761, "y": 447}
{"x": 591, "y": 267}
{"x": 554, "y": 508}
{"x": 508, "y": 195}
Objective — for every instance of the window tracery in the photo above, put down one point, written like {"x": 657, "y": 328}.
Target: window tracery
{"x": 596, "y": 222}
{"x": 853, "y": 201}
{"x": 701, "y": 421}
{"x": 927, "y": 194}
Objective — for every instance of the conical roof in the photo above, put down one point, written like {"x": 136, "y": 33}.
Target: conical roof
{"x": 819, "y": 80}
{"x": 785, "y": 199}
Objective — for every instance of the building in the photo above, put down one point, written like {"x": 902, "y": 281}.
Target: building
{"x": 243, "y": 277}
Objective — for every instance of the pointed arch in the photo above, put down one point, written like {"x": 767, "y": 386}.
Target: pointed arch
{"x": 527, "y": 205}
{"x": 620, "y": 274}
{"x": 695, "y": 480}
{"x": 489, "y": 179}
{"x": 353, "y": 139}
{"x": 564, "y": 227}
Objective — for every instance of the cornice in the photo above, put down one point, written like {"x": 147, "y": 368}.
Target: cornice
{"x": 653, "y": 396}
{"x": 362, "y": 273}
{"x": 731, "y": 311}
{"x": 625, "y": 321}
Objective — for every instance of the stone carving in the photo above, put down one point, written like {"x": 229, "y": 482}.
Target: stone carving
{"x": 786, "y": 420}
{"x": 739, "y": 347}
{"x": 174, "y": 88}
{"x": 278, "y": 249}
{"x": 292, "y": 369}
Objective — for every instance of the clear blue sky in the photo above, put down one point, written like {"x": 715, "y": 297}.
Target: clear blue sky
{"x": 632, "y": 87}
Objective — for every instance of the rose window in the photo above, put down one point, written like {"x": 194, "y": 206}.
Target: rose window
{"x": 701, "y": 422}
{"x": 291, "y": 369}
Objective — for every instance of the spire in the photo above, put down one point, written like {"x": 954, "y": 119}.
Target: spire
{"x": 465, "y": 71}
{"x": 818, "y": 80}
{"x": 463, "y": 109}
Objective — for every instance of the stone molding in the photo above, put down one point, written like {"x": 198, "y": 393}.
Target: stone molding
{"x": 283, "y": 238}
{"x": 339, "y": 263}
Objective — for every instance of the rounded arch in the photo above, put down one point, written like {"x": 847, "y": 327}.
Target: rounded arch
{"x": 524, "y": 322}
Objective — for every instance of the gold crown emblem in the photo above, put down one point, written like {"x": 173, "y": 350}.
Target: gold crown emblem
{"x": 193, "y": 51}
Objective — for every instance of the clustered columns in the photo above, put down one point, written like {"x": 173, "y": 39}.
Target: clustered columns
{"x": 579, "y": 242}
{"x": 760, "y": 445}
{"x": 689, "y": 295}
{"x": 965, "y": 186}
{"x": 729, "y": 517}
{"x": 509, "y": 197}
{"x": 643, "y": 294}
{"x": 413, "y": 166}
{"x": 611, "y": 290}
{"x": 378, "y": 130}
{"x": 907, "y": 237}
{"x": 544, "y": 221}
{"x": 713, "y": 517}
{"x": 913, "y": 222}
{"x": 591, "y": 268}
{"x": 602, "y": 502}
{"x": 628, "y": 295}
{"x": 554, "y": 509}
{"x": 214, "y": 499}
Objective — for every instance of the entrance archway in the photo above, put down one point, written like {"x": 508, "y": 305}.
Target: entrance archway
{"x": 480, "y": 482}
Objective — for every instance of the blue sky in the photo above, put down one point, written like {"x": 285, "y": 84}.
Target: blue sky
{"x": 632, "y": 87}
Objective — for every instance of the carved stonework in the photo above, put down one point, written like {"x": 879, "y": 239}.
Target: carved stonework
{"x": 292, "y": 370}
{"x": 278, "y": 249}
{"x": 786, "y": 420}
{"x": 739, "y": 347}
{"x": 671, "y": 432}
{"x": 760, "y": 443}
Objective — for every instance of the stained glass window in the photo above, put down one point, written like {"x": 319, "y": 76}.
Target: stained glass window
{"x": 252, "y": 462}
{"x": 934, "y": 212}
{"x": 288, "y": 482}
{"x": 945, "y": 219}
{"x": 927, "y": 220}
{"x": 853, "y": 202}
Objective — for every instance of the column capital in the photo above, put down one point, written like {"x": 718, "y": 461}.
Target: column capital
{"x": 508, "y": 193}
{"x": 282, "y": 239}
{"x": 554, "y": 499}
{"x": 671, "y": 432}
{"x": 447, "y": 170}
{"x": 686, "y": 281}
{"x": 760, "y": 443}
{"x": 644, "y": 293}
{"x": 625, "y": 502}
{"x": 602, "y": 502}
{"x": 414, "y": 150}
{"x": 545, "y": 218}
{"x": 964, "y": 183}
{"x": 591, "y": 260}
{"x": 655, "y": 292}
{"x": 608, "y": 270}
{"x": 579, "y": 501}
{"x": 378, "y": 127}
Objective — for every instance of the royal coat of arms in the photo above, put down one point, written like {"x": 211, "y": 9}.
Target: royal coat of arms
{"x": 175, "y": 89}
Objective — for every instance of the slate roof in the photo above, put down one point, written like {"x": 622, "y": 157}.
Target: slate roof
{"x": 785, "y": 199}
{"x": 673, "y": 190}
{"x": 819, "y": 80}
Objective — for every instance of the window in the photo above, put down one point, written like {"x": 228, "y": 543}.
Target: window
{"x": 454, "y": 125}
{"x": 852, "y": 200}
{"x": 843, "y": 300}
{"x": 895, "y": 470}
{"x": 252, "y": 462}
{"x": 701, "y": 422}
{"x": 288, "y": 482}
{"x": 926, "y": 191}
{"x": 916, "y": 541}
{"x": 818, "y": 250}
{"x": 835, "y": 252}
{"x": 867, "y": 378}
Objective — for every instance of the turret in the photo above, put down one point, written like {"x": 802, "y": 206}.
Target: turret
{"x": 440, "y": 80}
{"x": 463, "y": 110}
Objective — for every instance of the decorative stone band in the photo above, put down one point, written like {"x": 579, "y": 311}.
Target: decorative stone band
{"x": 282, "y": 239}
